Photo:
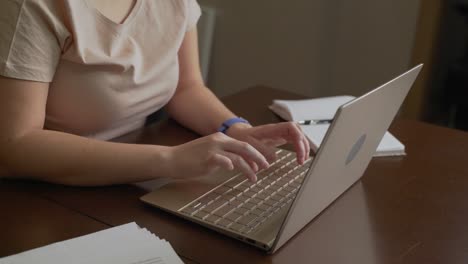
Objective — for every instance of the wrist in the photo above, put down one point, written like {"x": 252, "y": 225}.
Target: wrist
{"x": 237, "y": 129}
{"x": 234, "y": 121}
{"x": 161, "y": 162}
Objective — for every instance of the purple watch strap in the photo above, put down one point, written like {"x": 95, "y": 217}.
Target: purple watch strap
{"x": 231, "y": 121}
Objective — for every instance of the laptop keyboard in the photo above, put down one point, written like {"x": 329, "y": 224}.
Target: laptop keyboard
{"x": 243, "y": 206}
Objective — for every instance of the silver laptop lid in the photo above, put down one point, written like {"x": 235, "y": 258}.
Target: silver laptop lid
{"x": 346, "y": 151}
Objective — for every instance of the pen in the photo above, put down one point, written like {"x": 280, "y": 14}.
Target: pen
{"x": 315, "y": 122}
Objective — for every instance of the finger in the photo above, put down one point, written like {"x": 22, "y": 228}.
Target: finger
{"x": 254, "y": 166}
{"x": 276, "y": 142}
{"x": 245, "y": 150}
{"x": 273, "y": 131}
{"x": 242, "y": 165}
{"x": 306, "y": 153}
{"x": 295, "y": 136}
{"x": 305, "y": 144}
{"x": 268, "y": 152}
{"x": 300, "y": 151}
{"x": 221, "y": 161}
{"x": 289, "y": 131}
{"x": 286, "y": 130}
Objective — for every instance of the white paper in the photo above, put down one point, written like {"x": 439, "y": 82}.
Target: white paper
{"x": 309, "y": 109}
{"x": 325, "y": 108}
{"x": 388, "y": 146}
{"x": 126, "y": 244}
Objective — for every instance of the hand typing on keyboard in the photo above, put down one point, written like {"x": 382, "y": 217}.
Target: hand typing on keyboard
{"x": 206, "y": 155}
{"x": 246, "y": 148}
{"x": 267, "y": 138}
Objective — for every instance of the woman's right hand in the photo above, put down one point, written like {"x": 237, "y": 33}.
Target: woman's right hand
{"x": 206, "y": 155}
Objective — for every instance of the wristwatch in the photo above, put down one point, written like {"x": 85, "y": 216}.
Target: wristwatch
{"x": 231, "y": 121}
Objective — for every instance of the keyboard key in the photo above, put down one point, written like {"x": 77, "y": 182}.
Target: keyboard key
{"x": 283, "y": 193}
{"x": 283, "y": 181}
{"x": 258, "y": 212}
{"x": 215, "y": 205}
{"x": 254, "y": 226}
{"x": 228, "y": 197}
{"x": 236, "y": 202}
{"x": 237, "y": 227}
{"x": 235, "y": 192}
{"x": 201, "y": 214}
{"x": 213, "y": 218}
{"x": 208, "y": 198}
{"x": 235, "y": 181}
{"x": 224, "y": 210}
{"x": 270, "y": 181}
{"x": 249, "y": 205}
{"x": 270, "y": 202}
{"x": 264, "y": 207}
{"x": 285, "y": 203}
{"x": 263, "y": 185}
{"x": 222, "y": 190}
{"x": 256, "y": 189}
{"x": 244, "y": 186}
{"x": 250, "y": 193}
{"x": 256, "y": 201}
{"x": 234, "y": 216}
{"x": 189, "y": 210}
{"x": 224, "y": 222}
{"x": 295, "y": 184}
{"x": 241, "y": 210}
{"x": 247, "y": 219}
{"x": 277, "y": 197}
{"x": 263, "y": 195}
{"x": 289, "y": 188}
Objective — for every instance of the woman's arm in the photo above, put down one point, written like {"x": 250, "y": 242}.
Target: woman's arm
{"x": 193, "y": 104}
{"x": 27, "y": 150}
{"x": 196, "y": 107}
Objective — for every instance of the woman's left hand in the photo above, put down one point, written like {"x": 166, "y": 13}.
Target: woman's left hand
{"x": 266, "y": 138}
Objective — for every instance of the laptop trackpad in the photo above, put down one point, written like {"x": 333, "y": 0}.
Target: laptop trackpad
{"x": 176, "y": 194}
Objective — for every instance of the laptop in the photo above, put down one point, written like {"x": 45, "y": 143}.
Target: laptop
{"x": 287, "y": 196}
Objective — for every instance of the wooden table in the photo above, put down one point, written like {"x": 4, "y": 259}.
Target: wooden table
{"x": 411, "y": 209}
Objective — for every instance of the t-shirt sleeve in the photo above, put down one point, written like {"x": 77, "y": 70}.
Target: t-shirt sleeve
{"x": 31, "y": 39}
{"x": 193, "y": 13}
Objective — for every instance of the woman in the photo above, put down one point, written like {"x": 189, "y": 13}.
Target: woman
{"x": 75, "y": 73}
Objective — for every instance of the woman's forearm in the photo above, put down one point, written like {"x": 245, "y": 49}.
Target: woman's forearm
{"x": 198, "y": 109}
{"x": 73, "y": 160}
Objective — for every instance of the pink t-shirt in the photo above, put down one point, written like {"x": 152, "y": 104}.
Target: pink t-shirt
{"x": 105, "y": 78}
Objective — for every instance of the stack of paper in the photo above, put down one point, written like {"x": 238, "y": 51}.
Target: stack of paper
{"x": 325, "y": 109}
{"x": 126, "y": 244}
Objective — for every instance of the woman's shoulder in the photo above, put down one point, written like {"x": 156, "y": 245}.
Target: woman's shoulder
{"x": 33, "y": 34}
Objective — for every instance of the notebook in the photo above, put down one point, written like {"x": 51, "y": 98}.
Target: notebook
{"x": 323, "y": 109}
{"x": 125, "y": 244}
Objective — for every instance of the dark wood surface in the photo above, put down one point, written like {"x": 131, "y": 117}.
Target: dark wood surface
{"x": 28, "y": 221}
{"x": 409, "y": 209}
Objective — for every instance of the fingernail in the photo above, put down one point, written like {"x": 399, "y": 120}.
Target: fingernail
{"x": 254, "y": 178}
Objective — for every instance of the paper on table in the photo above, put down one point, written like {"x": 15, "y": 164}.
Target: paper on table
{"x": 389, "y": 145}
{"x": 309, "y": 109}
{"x": 325, "y": 108}
{"x": 126, "y": 244}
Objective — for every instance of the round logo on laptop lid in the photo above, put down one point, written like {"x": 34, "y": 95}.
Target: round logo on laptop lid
{"x": 355, "y": 149}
